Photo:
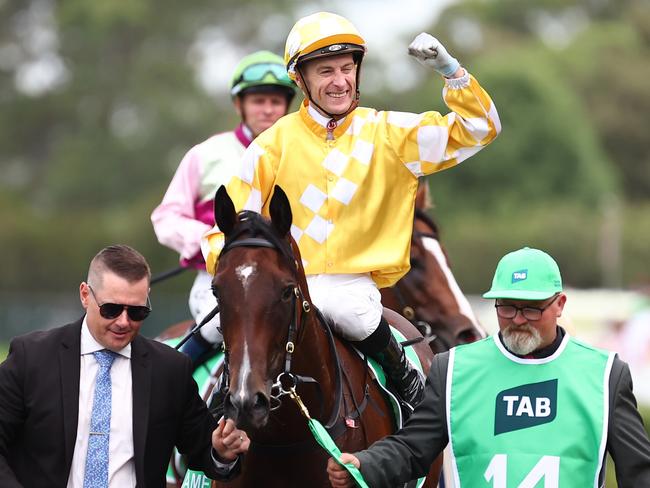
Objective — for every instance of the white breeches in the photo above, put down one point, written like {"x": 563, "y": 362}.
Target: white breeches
{"x": 201, "y": 303}
{"x": 352, "y": 301}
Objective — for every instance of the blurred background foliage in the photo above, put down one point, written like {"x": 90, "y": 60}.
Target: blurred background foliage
{"x": 100, "y": 100}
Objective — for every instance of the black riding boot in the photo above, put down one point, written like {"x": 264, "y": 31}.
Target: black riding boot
{"x": 383, "y": 347}
{"x": 198, "y": 349}
{"x": 407, "y": 380}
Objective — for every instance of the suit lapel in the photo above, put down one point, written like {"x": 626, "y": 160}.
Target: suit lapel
{"x": 69, "y": 364}
{"x": 141, "y": 378}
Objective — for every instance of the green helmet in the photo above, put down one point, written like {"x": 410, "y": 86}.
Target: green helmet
{"x": 526, "y": 274}
{"x": 262, "y": 72}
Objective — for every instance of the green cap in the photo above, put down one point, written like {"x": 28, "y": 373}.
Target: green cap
{"x": 526, "y": 274}
{"x": 262, "y": 71}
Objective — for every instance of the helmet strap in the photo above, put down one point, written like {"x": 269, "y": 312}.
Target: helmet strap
{"x": 335, "y": 117}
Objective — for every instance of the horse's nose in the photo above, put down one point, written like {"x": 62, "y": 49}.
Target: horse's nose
{"x": 248, "y": 410}
{"x": 259, "y": 407}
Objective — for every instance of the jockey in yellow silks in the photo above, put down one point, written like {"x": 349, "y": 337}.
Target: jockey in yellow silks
{"x": 351, "y": 175}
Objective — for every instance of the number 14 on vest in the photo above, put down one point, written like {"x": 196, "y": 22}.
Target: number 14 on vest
{"x": 547, "y": 468}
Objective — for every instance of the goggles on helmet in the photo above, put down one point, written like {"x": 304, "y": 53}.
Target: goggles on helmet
{"x": 259, "y": 72}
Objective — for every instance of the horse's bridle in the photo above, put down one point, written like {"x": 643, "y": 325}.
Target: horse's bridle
{"x": 286, "y": 382}
{"x": 410, "y": 313}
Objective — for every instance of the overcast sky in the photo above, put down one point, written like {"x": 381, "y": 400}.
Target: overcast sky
{"x": 381, "y": 22}
{"x": 389, "y": 27}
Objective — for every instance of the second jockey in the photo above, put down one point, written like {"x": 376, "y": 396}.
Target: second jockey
{"x": 262, "y": 93}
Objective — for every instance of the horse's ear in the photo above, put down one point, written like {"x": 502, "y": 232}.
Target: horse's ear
{"x": 423, "y": 196}
{"x": 224, "y": 211}
{"x": 280, "y": 210}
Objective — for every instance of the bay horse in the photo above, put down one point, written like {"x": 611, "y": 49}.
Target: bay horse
{"x": 429, "y": 295}
{"x": 277, "y": 342}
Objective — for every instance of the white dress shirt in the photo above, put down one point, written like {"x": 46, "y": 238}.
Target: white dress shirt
{"x": 121, "y": 467}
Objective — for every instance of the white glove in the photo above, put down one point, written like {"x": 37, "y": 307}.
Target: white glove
{"x": 430, "y": 52}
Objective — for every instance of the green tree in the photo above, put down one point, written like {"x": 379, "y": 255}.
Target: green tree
{"x": 608, "y": 65}
{"x": 548, "y": 151}
{"x": 87, "y": 157}
{"x": 596, "y": 50}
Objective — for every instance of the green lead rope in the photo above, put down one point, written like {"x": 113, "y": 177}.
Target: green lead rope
{"x": 323, "y": 438}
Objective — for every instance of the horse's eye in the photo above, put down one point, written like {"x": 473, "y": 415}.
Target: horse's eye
{"x": 215, "y": 290}
{"x": 416, "y": 263}
{"x": 287, "y": 293}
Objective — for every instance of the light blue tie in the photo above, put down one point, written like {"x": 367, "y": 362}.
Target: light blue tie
{"x": 96, "y": 474}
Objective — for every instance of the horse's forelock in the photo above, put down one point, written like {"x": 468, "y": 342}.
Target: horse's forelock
{"x": 255, "y": 225}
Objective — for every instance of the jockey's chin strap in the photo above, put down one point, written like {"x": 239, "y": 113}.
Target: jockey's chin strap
{"x": 286, "y": 382}
{"x": 334, "y": 118}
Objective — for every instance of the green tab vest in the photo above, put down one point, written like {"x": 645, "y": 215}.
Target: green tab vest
{"x": 527, "y": 423}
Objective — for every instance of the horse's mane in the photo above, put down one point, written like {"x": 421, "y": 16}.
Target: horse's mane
{"x": 422, "y": 215}
{"x": 255, "y": 225}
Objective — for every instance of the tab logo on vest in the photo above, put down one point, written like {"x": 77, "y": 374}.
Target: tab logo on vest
{"x": 525, "y": 406}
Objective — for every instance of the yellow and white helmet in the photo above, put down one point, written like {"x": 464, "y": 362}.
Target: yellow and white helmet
{"x": 321, "y": 34}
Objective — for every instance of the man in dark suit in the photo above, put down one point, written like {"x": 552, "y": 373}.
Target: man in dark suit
{"x": 49, "y": 396}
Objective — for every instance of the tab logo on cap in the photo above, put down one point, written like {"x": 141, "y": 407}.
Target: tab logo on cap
{"x": 520, "y": 275}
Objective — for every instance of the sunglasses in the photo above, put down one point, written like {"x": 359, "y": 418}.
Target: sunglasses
{"x": 136, "y": 313}
{"x": 258, "y": 72}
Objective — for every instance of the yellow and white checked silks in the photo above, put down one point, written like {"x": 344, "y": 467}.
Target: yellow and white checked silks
{"x": 353, "y": 197}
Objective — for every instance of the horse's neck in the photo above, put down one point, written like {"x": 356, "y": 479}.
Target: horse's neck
{"x": 433, "y": 246}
